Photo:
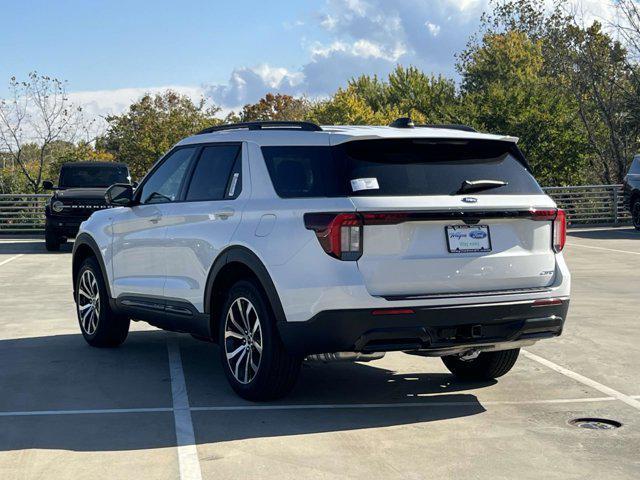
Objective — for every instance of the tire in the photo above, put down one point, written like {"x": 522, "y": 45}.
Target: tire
{"x": 51, "y": 241}
{"x": 635, "y": 214}
{"x": 486, "y": 366}
{"x": 254, "y": 359}
{"x": 99, "y": 325}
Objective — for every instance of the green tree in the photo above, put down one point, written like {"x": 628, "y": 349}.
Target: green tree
{"x": 506, "y": 89}
{"x": 425, "y": 98}
{"x": 346, "y": 107}
{"x": 587, "y": 65}
{"x": 597, "y": 73}
{"x": 151, "y": 126}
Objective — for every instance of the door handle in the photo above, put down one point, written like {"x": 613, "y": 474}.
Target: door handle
{"x": 155, "y": 220}
{"x": 225, "y": 213}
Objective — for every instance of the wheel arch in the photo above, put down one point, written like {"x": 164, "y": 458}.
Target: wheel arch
{"x": 85, "y": 246}
{"x": 233, "y": 264}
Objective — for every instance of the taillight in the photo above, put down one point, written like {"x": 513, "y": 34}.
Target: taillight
{"x": 559, "y": 231}
{"x": 339, "y": 234}
{"x": 543, "y": 215}
{"x": 559, "y": 226}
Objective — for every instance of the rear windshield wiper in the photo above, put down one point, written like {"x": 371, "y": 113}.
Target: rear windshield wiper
{"x": 477, "y": 185}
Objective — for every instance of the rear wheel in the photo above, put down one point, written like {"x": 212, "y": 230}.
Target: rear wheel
{"x": 100, "y": 326}
{"x": 255, "y": 361}
{"x": 485, "y": 366}
{"x": 635, "y": 214}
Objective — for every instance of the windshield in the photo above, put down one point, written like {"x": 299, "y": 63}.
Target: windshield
{"x": 398, "y": 168}
{"x": 93, "y": 176}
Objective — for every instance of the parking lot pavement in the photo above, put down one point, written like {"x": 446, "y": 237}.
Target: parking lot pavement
{"x": 159, "y": 406}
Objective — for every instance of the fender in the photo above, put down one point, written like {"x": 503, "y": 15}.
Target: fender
{"x": 87, "y": 240}
{"x": 245, "y": 256}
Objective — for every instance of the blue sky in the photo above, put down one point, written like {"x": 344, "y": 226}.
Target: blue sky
{"x": 231, "y": 53}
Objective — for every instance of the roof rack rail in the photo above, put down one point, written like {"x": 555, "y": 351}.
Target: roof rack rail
{"x": 406, "y": 122}
{"x": 265, "y": 125}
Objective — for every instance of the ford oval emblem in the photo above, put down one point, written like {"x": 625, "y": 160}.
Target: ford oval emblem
{"x": 469, "y": 199}
{"x": 478, "y": 235}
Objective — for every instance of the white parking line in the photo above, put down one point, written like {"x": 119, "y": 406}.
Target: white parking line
{"x": 4, "y": 262}
{"x": 602, "y": 248}
{"x": 187, "y": 452}
{"x": 584, "y": 380}
{"x": 84, "y": 412}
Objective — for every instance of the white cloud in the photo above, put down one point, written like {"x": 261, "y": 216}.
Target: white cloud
{"x": 249, "y": 84}
{"x": 434, "y": 29}
{"x": 360, "y": 37}
{"x": 100, "y": 103}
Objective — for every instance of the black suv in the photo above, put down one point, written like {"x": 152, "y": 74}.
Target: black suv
{"x": 632, "y": 191}
{"x": 79, "y": 193}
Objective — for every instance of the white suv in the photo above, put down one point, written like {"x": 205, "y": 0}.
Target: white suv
{"x": 282, "y": 241}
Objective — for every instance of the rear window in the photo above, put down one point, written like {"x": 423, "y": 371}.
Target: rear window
{"x": 396, "y": 168}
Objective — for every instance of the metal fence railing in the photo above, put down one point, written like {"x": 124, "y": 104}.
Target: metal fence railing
{"x": 584, "y": 204}
{"x": 591, "y": 204}
{"x": 22, "y": 213}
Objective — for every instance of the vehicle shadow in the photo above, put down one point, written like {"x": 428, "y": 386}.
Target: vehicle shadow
{"x": 11, "y": 246}
{"x": 606, "y": 234}
{"x": 63, "y": 373}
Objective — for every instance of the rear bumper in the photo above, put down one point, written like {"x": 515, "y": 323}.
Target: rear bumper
{"x": 434, "y": 331}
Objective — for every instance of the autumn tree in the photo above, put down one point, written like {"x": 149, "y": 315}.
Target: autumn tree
{"x": 151, "y": 126}
{"x": 272, "y": 106}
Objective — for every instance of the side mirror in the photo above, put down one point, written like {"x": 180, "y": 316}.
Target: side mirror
{"x": 120, "y": 195}
{"x": 47, "y": 185}
{"x": 135, "y": 184}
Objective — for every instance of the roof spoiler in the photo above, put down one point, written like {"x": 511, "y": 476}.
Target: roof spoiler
{"x": 406, "y": 122}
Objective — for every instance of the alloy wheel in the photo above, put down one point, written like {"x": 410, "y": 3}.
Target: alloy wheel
{"x": 88, "y": 302}
{"x": 243, "y": 340}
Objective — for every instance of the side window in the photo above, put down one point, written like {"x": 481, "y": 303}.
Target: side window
{"x": 217, "y": 174}
{"x": 163, "y": 185}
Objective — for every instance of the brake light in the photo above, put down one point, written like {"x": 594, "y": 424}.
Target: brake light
{"x": 385, "y": 218}
{"x": 339, "y": 234}
{"x": 559, "y": 231}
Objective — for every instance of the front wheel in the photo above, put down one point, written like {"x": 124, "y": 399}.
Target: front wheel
{"x": 254, "y": 360}
{"x": 635, "y": 214}
{"x": 100, "y": 326}
{"x": 486, "y": 366}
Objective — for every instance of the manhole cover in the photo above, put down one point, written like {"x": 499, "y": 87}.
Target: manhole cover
{"x": 595, "y": 423}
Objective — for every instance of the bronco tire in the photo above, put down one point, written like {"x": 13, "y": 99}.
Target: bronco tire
{"x": 252, "y": 354}
{"x": 635, "y": 214}
{"x": 99, "y": 325}
{"x": 52, "y": 241}
{"x": 486, "y": 366}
